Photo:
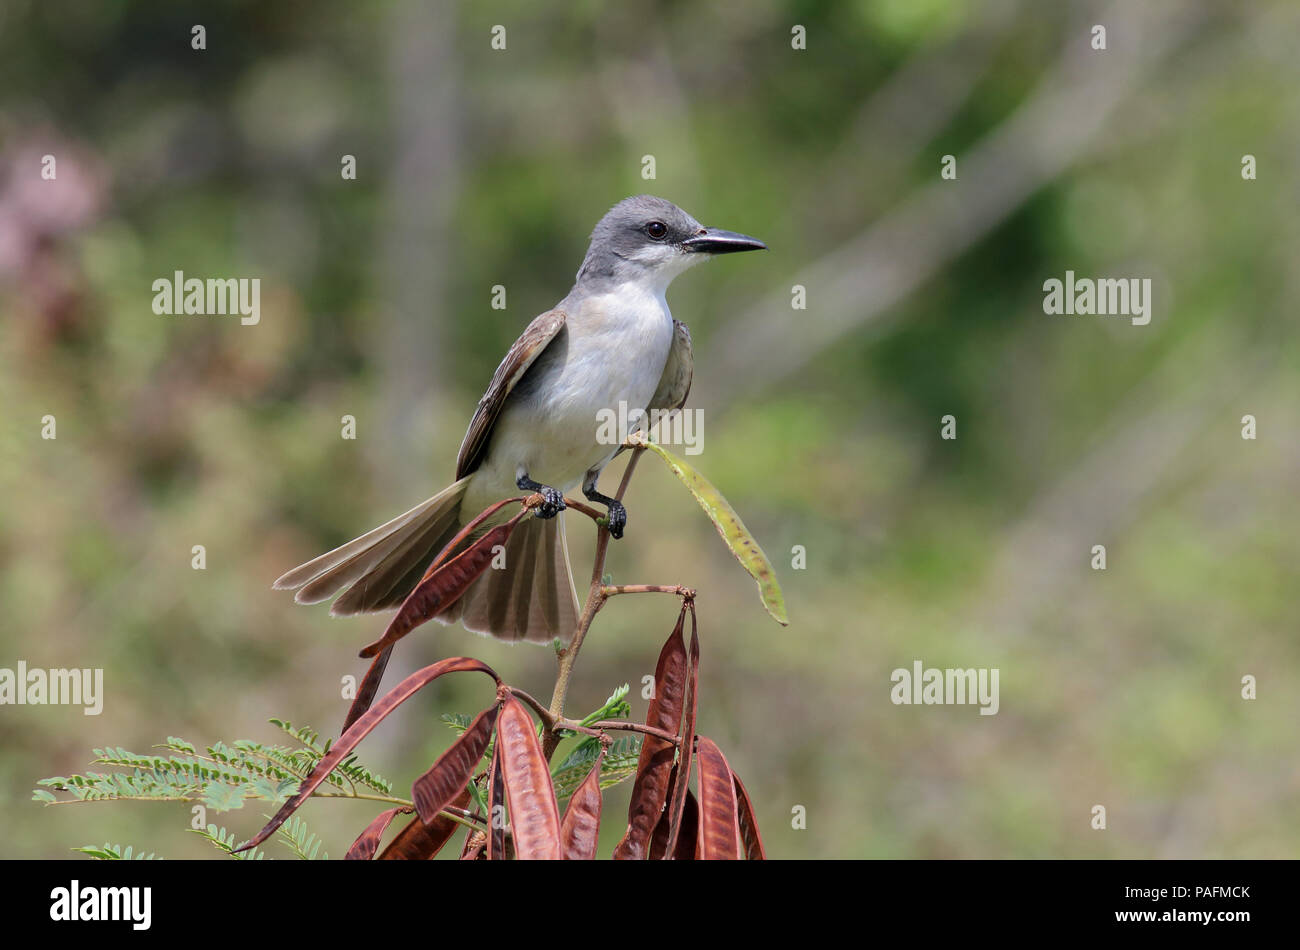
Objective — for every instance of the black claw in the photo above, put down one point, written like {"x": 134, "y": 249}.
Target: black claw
{"x": 617, "y": 519}
{"x": 552, "y": 502}
{"x": 552, "y": 499}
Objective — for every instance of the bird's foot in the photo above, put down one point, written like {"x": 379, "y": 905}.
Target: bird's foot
{"x": 552, "y": 502}
{"x": 617, "y": 519}
{"x": 552, "y": 498}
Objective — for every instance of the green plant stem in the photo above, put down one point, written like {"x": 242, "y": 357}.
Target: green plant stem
{"x": 387, "y": 799}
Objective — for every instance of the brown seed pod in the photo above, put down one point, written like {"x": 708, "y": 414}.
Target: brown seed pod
{"x": 534, "y": 815}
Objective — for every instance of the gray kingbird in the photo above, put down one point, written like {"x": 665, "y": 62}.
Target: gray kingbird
{"x": 612, "y": 340}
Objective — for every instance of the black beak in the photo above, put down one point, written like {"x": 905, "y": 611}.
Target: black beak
{"x": 717, "y": 241}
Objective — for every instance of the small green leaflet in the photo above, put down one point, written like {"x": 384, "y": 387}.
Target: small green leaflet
{"x": 732, "y": 530}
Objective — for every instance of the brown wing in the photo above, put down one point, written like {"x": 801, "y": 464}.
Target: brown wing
{"x": 525, "y": 350}
{"x": 675, "y": 384}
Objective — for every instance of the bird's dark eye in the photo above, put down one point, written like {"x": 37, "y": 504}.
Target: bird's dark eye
{"x": 657, "y": 230}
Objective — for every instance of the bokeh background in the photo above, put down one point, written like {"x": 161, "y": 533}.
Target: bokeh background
{"x": 924, "y": 298}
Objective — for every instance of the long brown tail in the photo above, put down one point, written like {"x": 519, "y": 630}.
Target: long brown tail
{"x": 530, "y": 598}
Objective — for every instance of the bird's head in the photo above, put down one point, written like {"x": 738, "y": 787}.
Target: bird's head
{"x": 649, "y": 239}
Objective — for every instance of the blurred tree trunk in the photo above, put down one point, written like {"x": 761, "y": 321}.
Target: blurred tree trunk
{"x": 408, "y": 338}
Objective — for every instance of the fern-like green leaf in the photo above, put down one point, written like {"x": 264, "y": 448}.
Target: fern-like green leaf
{"x": 619, "y": 764}
{"x": 458, "y": 722}
{"x": 115, "y": 852}
{"x": 227, "y": 842}
{"x": 222, "y": 776}
{"x": 300, "y": 840}
{"x": 616, "y": 707}
{"x": 221, "y": 797}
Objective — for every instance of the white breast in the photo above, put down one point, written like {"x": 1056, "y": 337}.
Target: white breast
{"x": 611, "y": 353}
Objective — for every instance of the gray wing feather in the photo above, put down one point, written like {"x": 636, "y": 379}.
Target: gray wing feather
{"x": 675, "y": 384}
{"x": 535, "y": 338}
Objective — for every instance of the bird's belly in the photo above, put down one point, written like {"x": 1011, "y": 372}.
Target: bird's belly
{"x": 573, "y": 415}
{"x": 584, "y": 427}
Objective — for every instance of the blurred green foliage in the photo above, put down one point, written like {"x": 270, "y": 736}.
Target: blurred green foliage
{"x": 479, "y": 167}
